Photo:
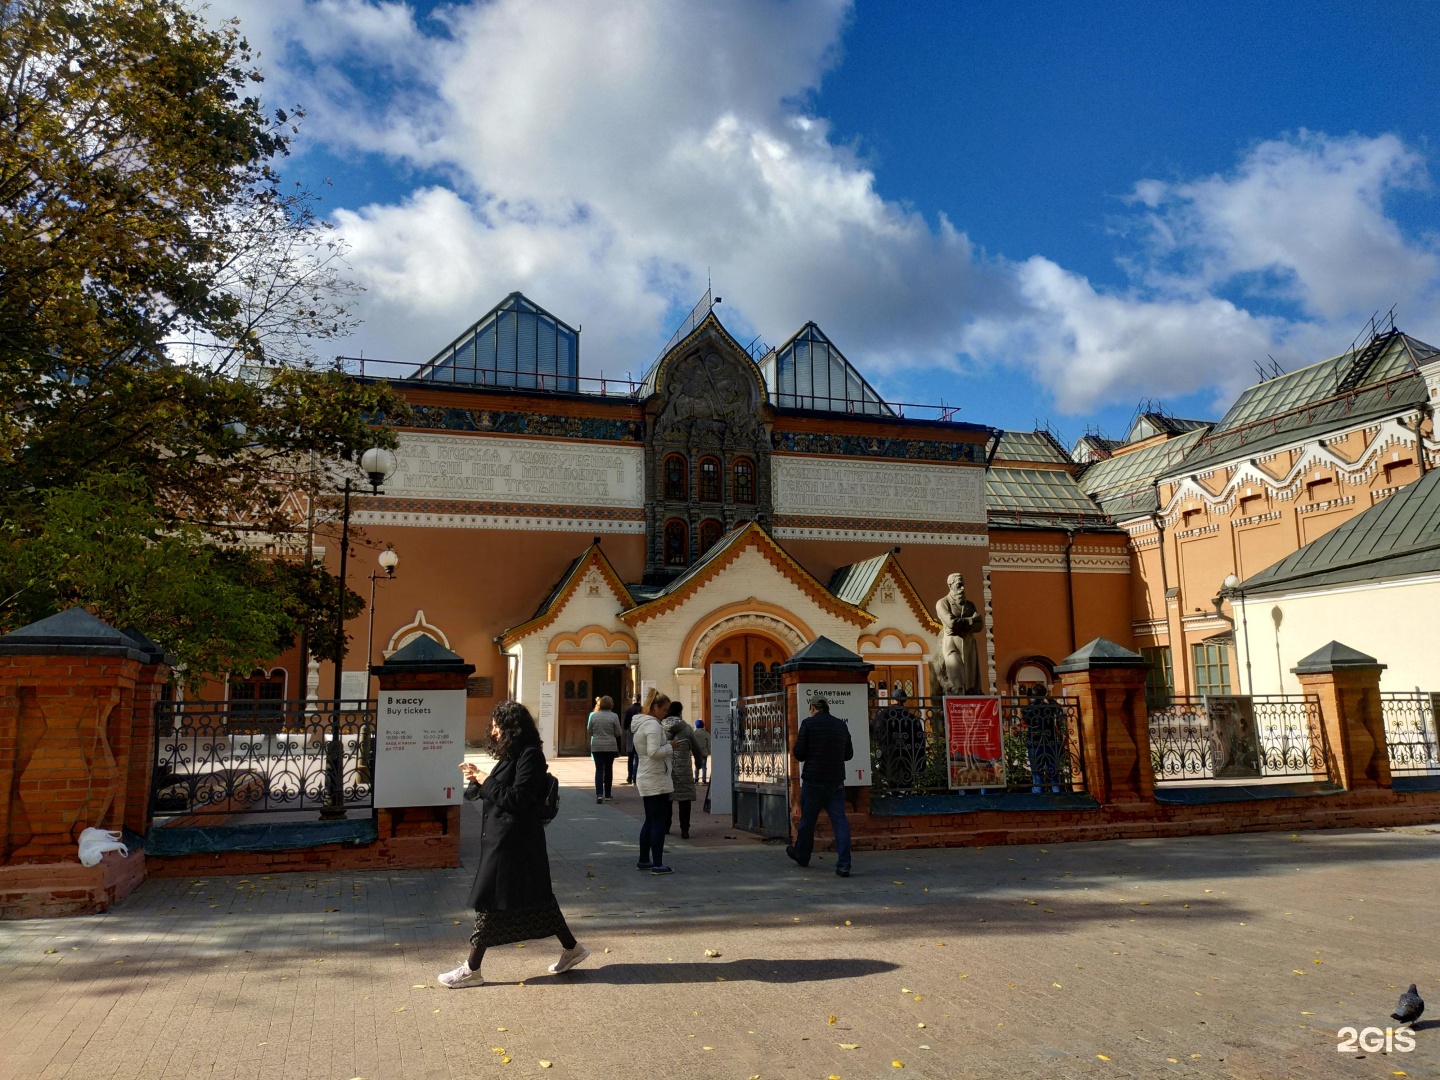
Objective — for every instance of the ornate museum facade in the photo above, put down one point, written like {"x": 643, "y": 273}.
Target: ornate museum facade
{"x": 731, "y": 508}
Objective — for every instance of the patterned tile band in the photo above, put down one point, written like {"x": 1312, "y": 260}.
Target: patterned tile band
{"x": 441, "y": 418}
{"x": 800, "y": 442}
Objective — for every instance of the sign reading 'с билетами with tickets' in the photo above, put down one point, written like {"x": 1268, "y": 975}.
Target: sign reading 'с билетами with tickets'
{"x": 419, "y": 742}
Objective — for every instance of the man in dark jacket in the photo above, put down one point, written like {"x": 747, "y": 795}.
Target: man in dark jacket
{"x": 823, "y": 747}
{"x": 631, "y": 758}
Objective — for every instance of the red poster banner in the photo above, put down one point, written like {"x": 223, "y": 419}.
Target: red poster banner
{"x": 972, "y": 734}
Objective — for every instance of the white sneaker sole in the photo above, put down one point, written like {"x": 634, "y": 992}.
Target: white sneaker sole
{"x": 562, "y": 966}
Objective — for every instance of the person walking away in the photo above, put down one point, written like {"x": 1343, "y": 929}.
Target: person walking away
{"x": 822, "y": 746}
{"x": 653, "y": 781}
{"x": 603, "y": 727}
{"x": 512, "y": 895}
{"x": 631, "y": 711}
{"x": 682, "y": 766}
{"x": 702, "y": 753}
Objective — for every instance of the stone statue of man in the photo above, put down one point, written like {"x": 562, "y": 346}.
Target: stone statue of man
{"x": 960, "y": 623}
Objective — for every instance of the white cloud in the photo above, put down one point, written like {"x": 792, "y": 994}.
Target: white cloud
{"x": 603, "y": 156}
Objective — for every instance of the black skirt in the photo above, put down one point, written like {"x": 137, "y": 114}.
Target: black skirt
{"x": 519, "y": 924}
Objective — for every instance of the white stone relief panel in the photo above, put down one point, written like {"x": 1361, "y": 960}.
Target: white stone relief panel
{"x": 486, "y": 468}
{"x": 900, "y": 490}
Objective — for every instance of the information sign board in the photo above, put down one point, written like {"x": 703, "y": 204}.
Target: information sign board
{"x": 851, "y": 703}
{"x": 975, "y": 749}
{"x": 419, "y": 744}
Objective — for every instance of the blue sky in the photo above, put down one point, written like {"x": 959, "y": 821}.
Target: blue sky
{"x": 1035, "y": 211}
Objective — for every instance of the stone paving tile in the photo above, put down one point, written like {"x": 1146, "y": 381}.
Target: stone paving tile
{"x": 1019, "y": 962}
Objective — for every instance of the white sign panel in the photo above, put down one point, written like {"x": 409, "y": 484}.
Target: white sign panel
{"x": 724, "y": 690}
{"x": 851, "y": 703}
{"x": 549, "y": 710}
{"x": 489, "y": 468}
{"x": 354, "y": 688}
{"x": 419, "y": 744}
{"x": 827, "y": 487}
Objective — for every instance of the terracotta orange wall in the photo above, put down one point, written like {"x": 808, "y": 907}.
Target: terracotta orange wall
{"x": 472, "y": 584}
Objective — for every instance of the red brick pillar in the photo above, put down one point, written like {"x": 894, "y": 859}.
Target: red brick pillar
{"x": 430, "y": 835}
{"x": 1347, "y": 682}
{"x": 826, "y": 663}
{"x": 133, "y": 737}
{"x": 67, "y": 689}
{"x": 1114, "y": 724}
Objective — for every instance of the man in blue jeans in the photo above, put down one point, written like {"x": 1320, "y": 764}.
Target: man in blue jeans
{"x": 823, "y": 747}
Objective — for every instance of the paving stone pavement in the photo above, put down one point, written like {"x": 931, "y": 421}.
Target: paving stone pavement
{"x": 1234, "y": 956}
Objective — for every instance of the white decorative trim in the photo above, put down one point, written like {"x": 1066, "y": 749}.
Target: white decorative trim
{"x": 1199, "y": 530}
{"x": 1149, "y": 627}
{"x": 1264, "y": 600}
{"x": 1049, "y": 560}
{"x": 496, "y": 521}
{"x": 739, "y": 623}
{"x": 411, "y": 631}
{"x": 1255, "y": 519}
{"x": 1328, "y": 504}
{"x": 883, "y": 536}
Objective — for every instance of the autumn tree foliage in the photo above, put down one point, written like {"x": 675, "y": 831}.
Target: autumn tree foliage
{"x": 161, "y": 295}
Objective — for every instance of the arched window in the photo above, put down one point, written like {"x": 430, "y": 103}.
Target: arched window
{"x": 709, "y": 479}
{"x": 258, "y": 695}
{"x": 677, "y": 480}
{"x": 677, "y": 543}
{"x": 570, "y": 688}
{"x": 742, "y": 484}
{"x": 583, "y": 690}
{"x": 710, "y": 533}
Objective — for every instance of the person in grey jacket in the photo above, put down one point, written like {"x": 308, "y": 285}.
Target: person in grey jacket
{"x": 682, "y": 765}
{"x": 603, "y": 728}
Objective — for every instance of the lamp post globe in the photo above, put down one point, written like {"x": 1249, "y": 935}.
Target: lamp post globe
{"x": 1231, "y": 582}
{"x": 378, "y": 464}
{"x": 388, "y": 561}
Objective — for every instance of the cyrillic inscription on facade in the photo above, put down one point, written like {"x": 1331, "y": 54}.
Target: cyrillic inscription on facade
{"x": 489, "y": 469}
{"x": 863, "y": 489}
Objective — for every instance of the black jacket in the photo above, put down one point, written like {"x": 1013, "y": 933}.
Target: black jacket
{"x": 823, "y": 744}
{"x": 514, "y": 869}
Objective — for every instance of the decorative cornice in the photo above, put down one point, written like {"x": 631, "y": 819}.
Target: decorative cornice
{"x": 754, "y": 615}
{"x": 797, "y": 528}
{"x": 447, "y": 514}
{"x": 1053, "y": 561}
{"x": 577, "y": 638}
{"x": 1328, "y": 504}
{"x": 752, "y": 537}
{"x": 594, "y": 559}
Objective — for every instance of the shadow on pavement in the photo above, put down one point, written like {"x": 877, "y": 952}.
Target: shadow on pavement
{"x": 763, "y": 971}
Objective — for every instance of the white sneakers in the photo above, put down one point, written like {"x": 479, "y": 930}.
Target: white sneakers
{"x": 569, "y": 958}
{"x": 462, "y": 977}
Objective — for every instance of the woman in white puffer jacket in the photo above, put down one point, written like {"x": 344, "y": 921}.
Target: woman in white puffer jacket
{"x": 653, "y": 780}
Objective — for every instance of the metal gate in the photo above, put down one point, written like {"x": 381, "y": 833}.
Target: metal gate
{"x": 762, "y": 767}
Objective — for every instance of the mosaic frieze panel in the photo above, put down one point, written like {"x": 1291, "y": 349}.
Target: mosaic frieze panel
{"x": 802, "y": 442}
{"x": 441, "y": 418}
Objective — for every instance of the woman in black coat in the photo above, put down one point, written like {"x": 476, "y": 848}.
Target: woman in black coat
{"x": 512, "y": 897}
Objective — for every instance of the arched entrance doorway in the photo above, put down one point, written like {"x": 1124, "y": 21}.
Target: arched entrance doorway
{"x": 759, "y": 657}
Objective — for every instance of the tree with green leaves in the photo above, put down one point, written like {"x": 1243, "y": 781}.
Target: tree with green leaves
{"x": 161, "y": 292}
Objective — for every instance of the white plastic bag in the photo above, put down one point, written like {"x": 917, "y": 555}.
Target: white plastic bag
{"x": 94, "y": 843}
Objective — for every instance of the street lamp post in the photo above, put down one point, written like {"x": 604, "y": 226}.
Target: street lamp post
{"x": 379, "y": 465}
{"x": 388, "y": 561}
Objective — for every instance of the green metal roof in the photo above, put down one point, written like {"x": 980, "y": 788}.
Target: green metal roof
{"x": 1342, "y": 392}
{"x": 1038, "y": 497}
{"x": 1124, "y": 485}
{"x": 1031, "y": 446}
{"x": 853, "y": 583}
{"x": 1396, "y": 538}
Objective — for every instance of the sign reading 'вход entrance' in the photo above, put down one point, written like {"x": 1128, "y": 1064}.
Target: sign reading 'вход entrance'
{"x": 490, "y": 468}
{"x": 419, "y": 741}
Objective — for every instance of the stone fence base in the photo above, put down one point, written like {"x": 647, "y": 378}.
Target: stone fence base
{"x": 44, "y": 890}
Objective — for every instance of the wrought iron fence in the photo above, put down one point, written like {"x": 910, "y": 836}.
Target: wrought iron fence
{"x": 1039, "y": 747}
{"x": 1277, "y": 736}
{"x": 1410, "y": 731}
{"x": 762, "y": 755}
{"x": 213, "y": 758}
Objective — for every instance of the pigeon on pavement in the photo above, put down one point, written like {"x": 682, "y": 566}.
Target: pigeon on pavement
{"x": 1410, "y": 1007}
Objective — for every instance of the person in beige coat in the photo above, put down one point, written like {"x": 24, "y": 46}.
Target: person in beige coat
{"x": 653, "y": 780}
{"x": 682, "y": 766}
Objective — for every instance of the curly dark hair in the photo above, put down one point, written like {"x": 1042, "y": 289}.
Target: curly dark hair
{"x": 517, "y": 729}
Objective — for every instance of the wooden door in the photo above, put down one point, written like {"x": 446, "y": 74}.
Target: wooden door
{"x": 576, "y": 700}
{"x": 886, "y": 679}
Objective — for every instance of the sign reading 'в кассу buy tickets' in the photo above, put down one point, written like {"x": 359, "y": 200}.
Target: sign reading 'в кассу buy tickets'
{"x": 419, "y": 744}
{"x": 973, "y": 736}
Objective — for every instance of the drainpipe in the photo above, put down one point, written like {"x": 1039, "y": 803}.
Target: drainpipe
{"x": 1070, "y": 586}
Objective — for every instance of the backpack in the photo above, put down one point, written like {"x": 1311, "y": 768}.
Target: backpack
{"x": 550, "y": 803}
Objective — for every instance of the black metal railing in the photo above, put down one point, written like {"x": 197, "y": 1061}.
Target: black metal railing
{"x": 214, "y": 759}
{"x": 1264, "y": 737}
{"x": 1410, "y": 731}
{"x": 1039, "y": 748}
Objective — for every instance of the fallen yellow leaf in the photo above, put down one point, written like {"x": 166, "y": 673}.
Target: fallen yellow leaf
{"x": 1057, "y": 986}
{"x": 1102, "y": 1057}
{"x": 919, "y": 1025}
{"x": 712, "y": 952}
{"x": 897, "y": 1064}
{"x": 504, "y": 1061}
{"x": 546, "y": 1064}
{"x": 831, "y": 1021}
{"x": 848, "y": 1046}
